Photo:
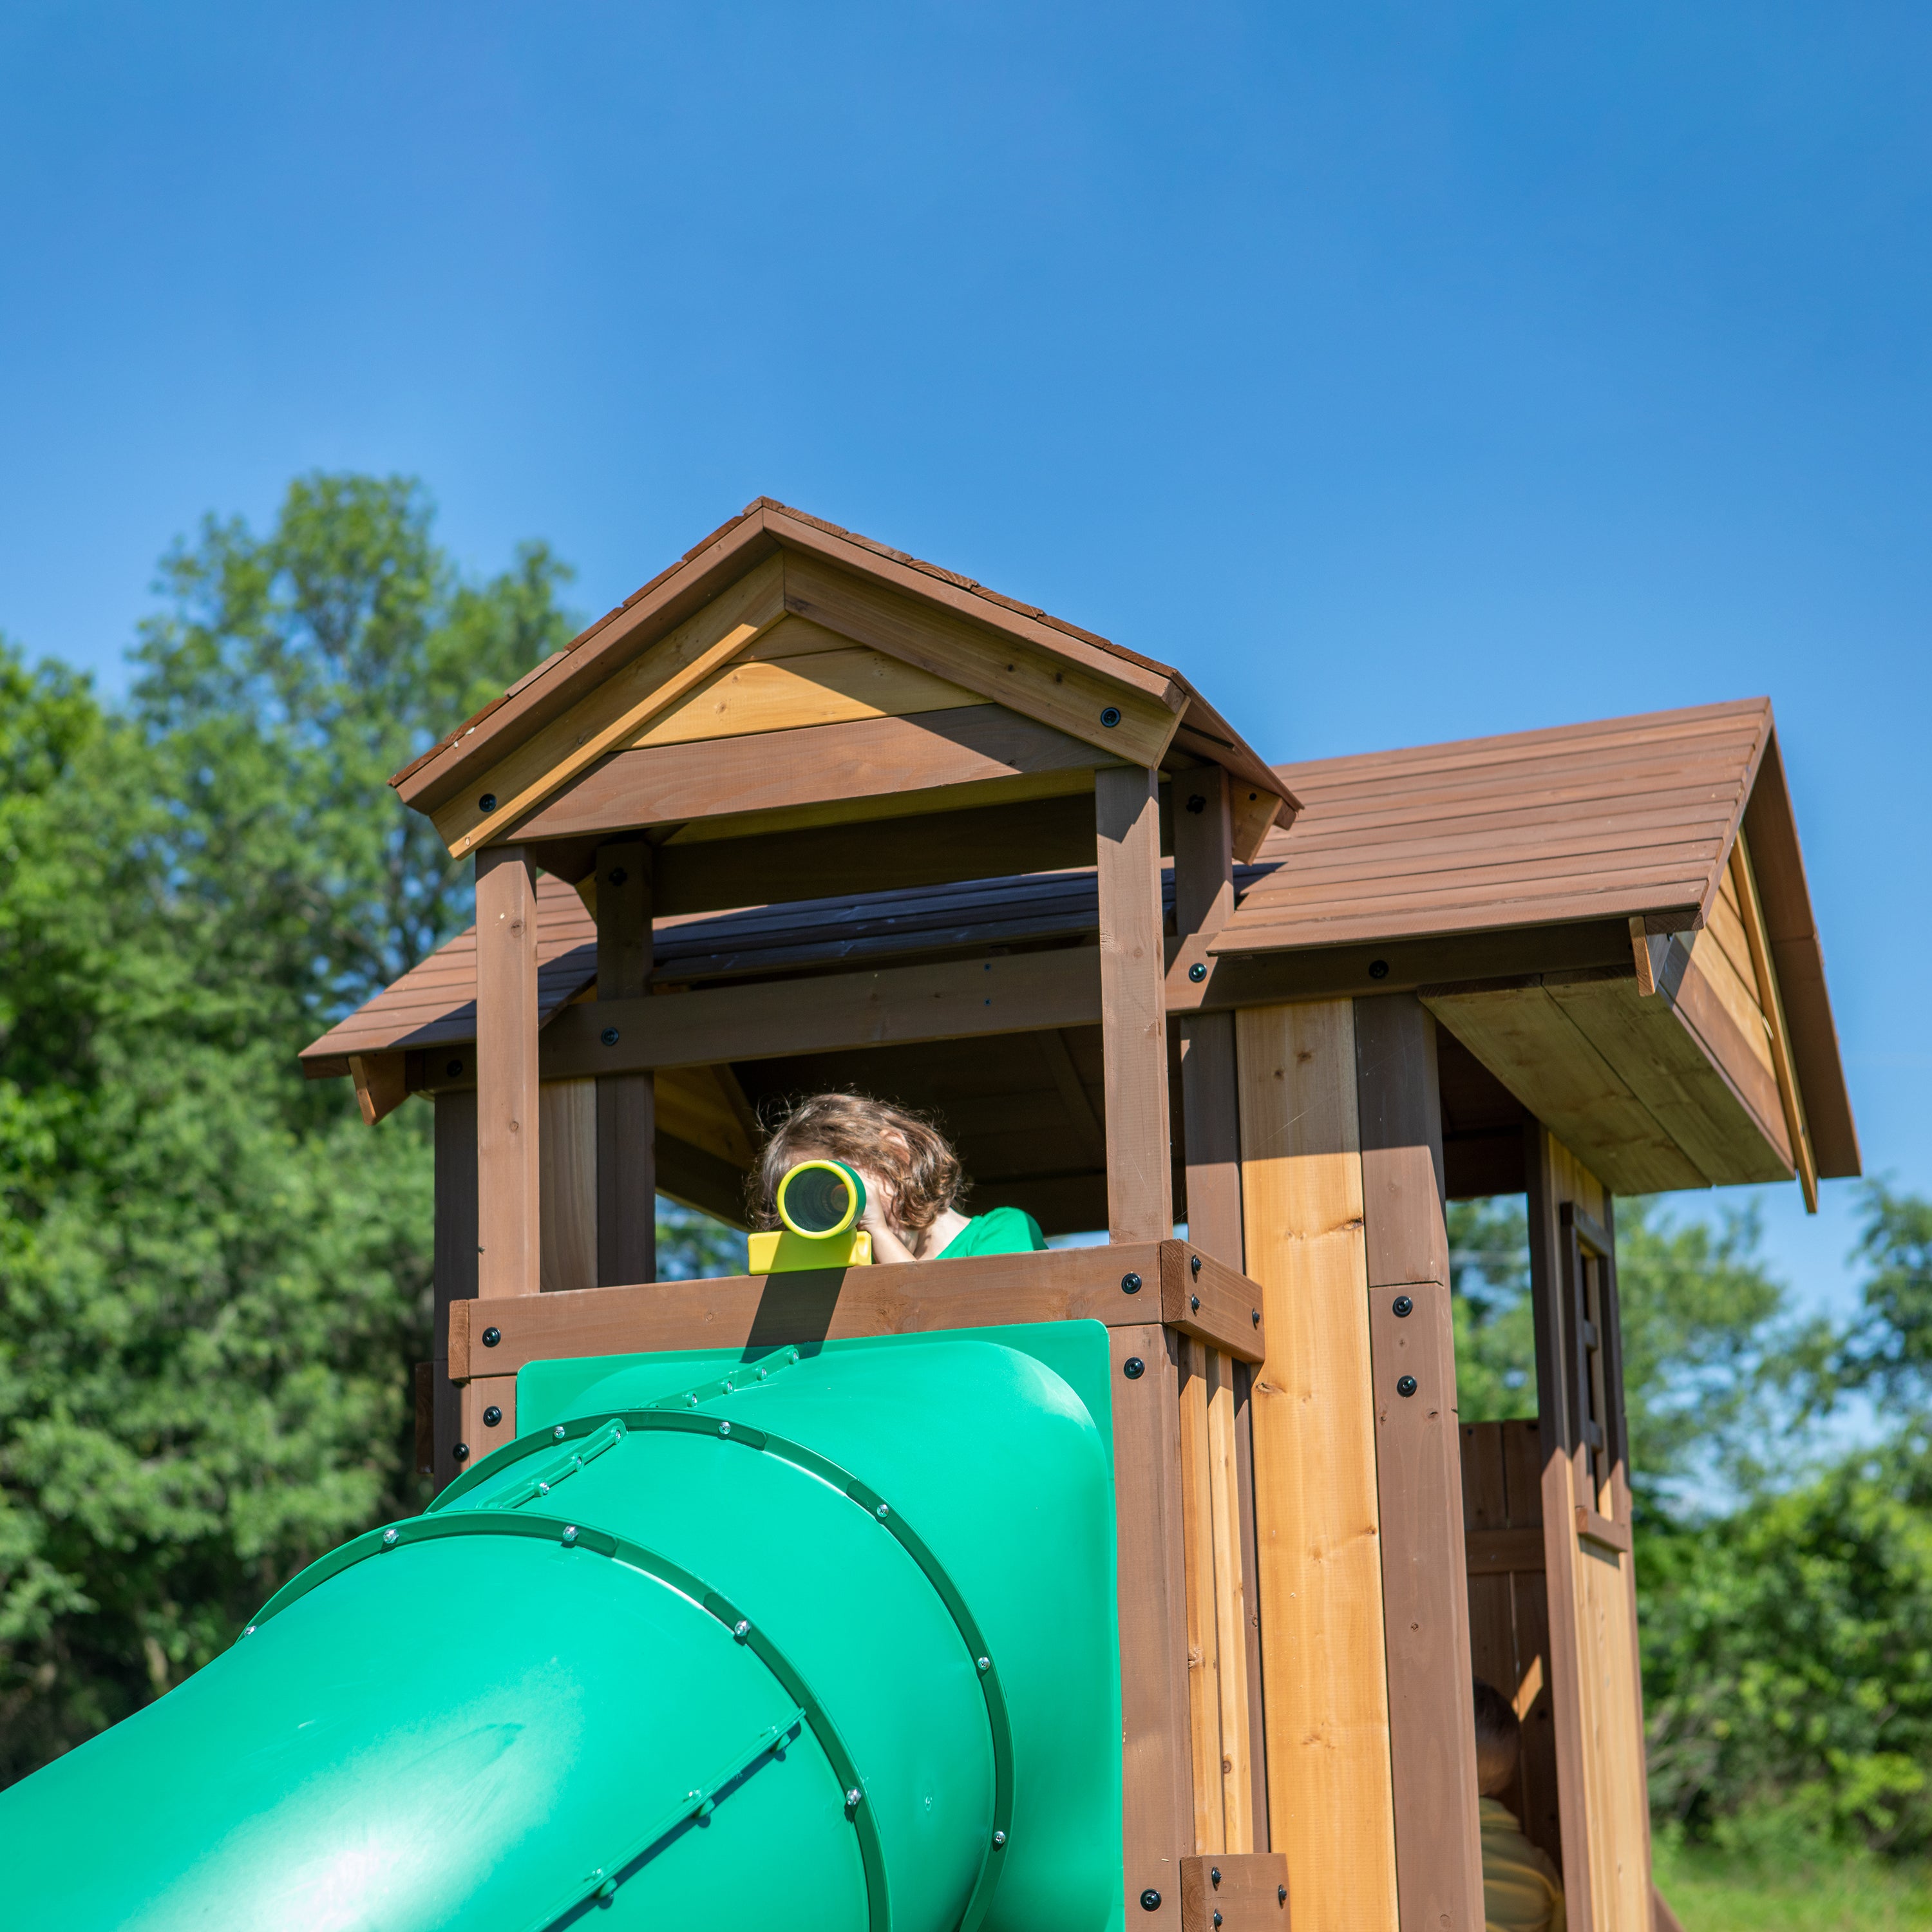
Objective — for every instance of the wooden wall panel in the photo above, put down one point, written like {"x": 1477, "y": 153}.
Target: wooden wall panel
{"x": 567, "y": 1115}
{"x": 454, "y": 1263}
{"x": 1204, "y": 1685}
{"x": 1324, "y": 1670}
{"x": 509, "y": 1177}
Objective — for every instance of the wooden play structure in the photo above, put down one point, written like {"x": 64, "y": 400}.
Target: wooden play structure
{"x": 805, "y": 812}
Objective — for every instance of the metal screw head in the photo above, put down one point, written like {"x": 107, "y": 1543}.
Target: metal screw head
{"x": 1197, "y": 972}
{"x": 1130, "y": 1283}
{"x": 723, "y": 1429}
{"x": 488, "y": 802}
{"x": 453, "y": 1068}
{"x": 741, "y": 1629}
{"x": 1194, "y": 1266}
{"x": 853, "y": 1798}
{"x": 610, "y": 1036}
{"x": 570, "y": 1533}
{"x": 986, "y": 1664}
{"x": 1217, "y": 1919}
{"x": 617, "y": 875}
{"x": 1406, "y": 1386}
{"x": 1197, "y": 804}
{"x": 1377, "y": 969}
{"x": 1133, "y": 1368}
{"x": 492, "y": 1416}
{"x": 558, "y": 1432}
{"x": 1194, "y": 1303}
{"x": 1214, "y": 1875}
{"x": 883, "y": 1512}
{"x": 491, "y": 1336}
{"x": 999, "y": 1839}
{"x": 1111, "y": 716}
{"x": 389, "y": 1536}
{"x": 1402, "y": 1307}
{"x": 1254, "y": 1315}
{"x": 1150, "y": 1899}
{"x": 461, "y": 1452}
{"x": 250, "y": 1631}
{"x": 1281, "y": 1895}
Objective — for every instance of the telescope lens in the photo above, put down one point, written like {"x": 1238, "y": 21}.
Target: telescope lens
{"x": 818, "y": 1200}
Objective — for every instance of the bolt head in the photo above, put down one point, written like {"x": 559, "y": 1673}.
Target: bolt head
{"x": 1377, "y": 969}
{"x": 1214, "y": 1874}
{"x": 1407, "y": 1386}
{"x": 883, "y": 1512}
{"x": 1133, "y": 1368}
{"x": 1194, "y": 1266}
{"x": 986, "y": 1664}
{"x": 388, "y": 1537}
{"x": 1254, "y": 1316}
{"x": 1197, "y": 804}
{"x": 1111, "y": 716}
{"x": 1198, "y": 971}
{"x": 1150, "y": 1899}
{"x": 610, "y": 1036}
{"x": 1130, "y": 1283}
{"x": 617, "y": 875}
{"x": 853, "y": 1798}
{"x": 492, "y": 1416}
{"x": 558, "y": 1432}
{"x": 723, "y": 1429}
{"x": 491, "y": 1336}
{"x": 461, "y": 1452}
{"x": 1281, "y": 1895}
{"x": 1194, "y": 1303}
{"x": 453, "y": 1068}
{"x": 741, "y": 1629}
{"x": 1402, "y": 1307}
{"x": 999, "y": 1839}
{"x": 488, "y": 802}
{"x": 1217, "y": 1919}
{"x": 250, "y": 1631}
{"x": 570, "y": 1533}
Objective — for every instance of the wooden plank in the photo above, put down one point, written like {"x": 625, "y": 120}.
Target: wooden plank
{"x": 1203, "y": 898}
{"x": 1497, "y": 1553}
{"x": 1725, "y": 1044}
{"x": 1231, "y": 1589}
{"x": 624, "y": 1153}
{"x": 1324, "y": 1670}
{"x": 1401, "y": 1112}
{"x": 1202, "y": 1297}
{"x": 785, "y": 780}
{"x": 1251, "y": 1632}
{"x": 1133, "y": 1021}
{"x": 1038, "y": 684}
{"x": 1772, "y": 1002}
{"x": 1234, "y": 1892}
{"x": 1425, "y": 1606}
{"x": 482, "y": 1397}
{"x": 1203, "y": 1688}
{"x": 1029, "y": 992}
{"x": 381, "y": 1085}
{"x": 453, "y": 1266}
{"x": 614, "y": 710}
{"x": 567, "y": 1110}
{"x": 509, "y": 1162}
{"x": 758, "y": 695}
{"x": 704, "y": 1106}
{"x": 1525, "y": 1039}
{"x": 1157, "y": 1809}
{"x": 1089, "y": 1284}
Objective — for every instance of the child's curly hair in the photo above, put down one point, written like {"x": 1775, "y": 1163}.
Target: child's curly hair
{"x": 900, "y": 1147}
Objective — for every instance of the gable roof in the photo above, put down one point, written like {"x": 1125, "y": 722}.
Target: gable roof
{"x": 764, "y": 527}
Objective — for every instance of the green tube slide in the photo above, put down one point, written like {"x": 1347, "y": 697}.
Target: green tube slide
{"x": 820, "y": 1640}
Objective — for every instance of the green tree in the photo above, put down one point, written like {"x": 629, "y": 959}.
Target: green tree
{"x": 213, "y": 1279}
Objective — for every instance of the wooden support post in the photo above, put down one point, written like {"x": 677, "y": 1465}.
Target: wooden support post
{"x": 1251, "y": 1630}
{"x": 1324, "y": 1670}
{"x": 626, "y": 1103}
{"x": 1418, "y": 1469}
{"x": 1133, "y": 1019}
{"x": 453, "y": 1269}
{"x": 1232, "y": 1585}
{"x": 1203, "y": 1685}
{"x": 1157, "y": 1827}
{"x": 508, "y": 1173}
{"x": 1204, "y": 899}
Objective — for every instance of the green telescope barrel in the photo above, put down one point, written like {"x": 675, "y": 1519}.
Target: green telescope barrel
{"x": 822, "y": 1639}
{"x": 820, "y": 1198}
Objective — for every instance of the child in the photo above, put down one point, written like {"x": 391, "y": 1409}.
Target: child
{"x": 1522, "y": 1889}
{"x": 912, "y": 1177}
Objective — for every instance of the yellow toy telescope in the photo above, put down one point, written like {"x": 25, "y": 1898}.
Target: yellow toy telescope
{"x": 820, "y": 1202}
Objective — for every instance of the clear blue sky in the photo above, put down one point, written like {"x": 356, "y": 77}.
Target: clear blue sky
{"x": 1403, "y": 373}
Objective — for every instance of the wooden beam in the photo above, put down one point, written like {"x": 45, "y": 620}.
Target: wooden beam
{"x": 482, "y": 1398}
{"x": 1771, "y": 999}
{"x": 1235, "y": 1892}
{"x": 626, "y": 1177}
{"x": 1204, "y": 1686}
{"x": 567, "y": 1195}
{"x": 1204, "y": 899}
{"x": 1418, "y": 1469}
{"x": 509, "y": 1170}
{"x": 1133, "y": 1020}
{"x": 453, "y": 1269}
{"x": 382, "y": 1083}
{"x": 1324, "y": 1666}
{"x": 978, "y": 754}
{"x": 1233, "y": 1587}
{"x": 1156, "y": 1824}
{"x": 1026, "y": 992}
{"x": 1251, "y": 1630}
{"x": 1117, "y": 1285}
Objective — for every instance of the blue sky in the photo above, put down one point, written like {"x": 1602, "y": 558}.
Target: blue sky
{"x": 1401, "y": 373}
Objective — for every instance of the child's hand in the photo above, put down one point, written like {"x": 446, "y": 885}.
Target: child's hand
{"x": 888, "y": 1244}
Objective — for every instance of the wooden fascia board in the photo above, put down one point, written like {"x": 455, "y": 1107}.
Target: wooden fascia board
{"x": 1128, "y": 669}
{"x": 596, "y": 654}
{"x": 1798, "y": 958}
{"x": 1753, "y": 764}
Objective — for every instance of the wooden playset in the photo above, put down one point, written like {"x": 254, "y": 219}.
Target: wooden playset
{"x": 805, "y": 813}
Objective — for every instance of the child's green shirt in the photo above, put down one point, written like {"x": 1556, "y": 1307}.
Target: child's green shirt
{"x": 1004, "y": 1230}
